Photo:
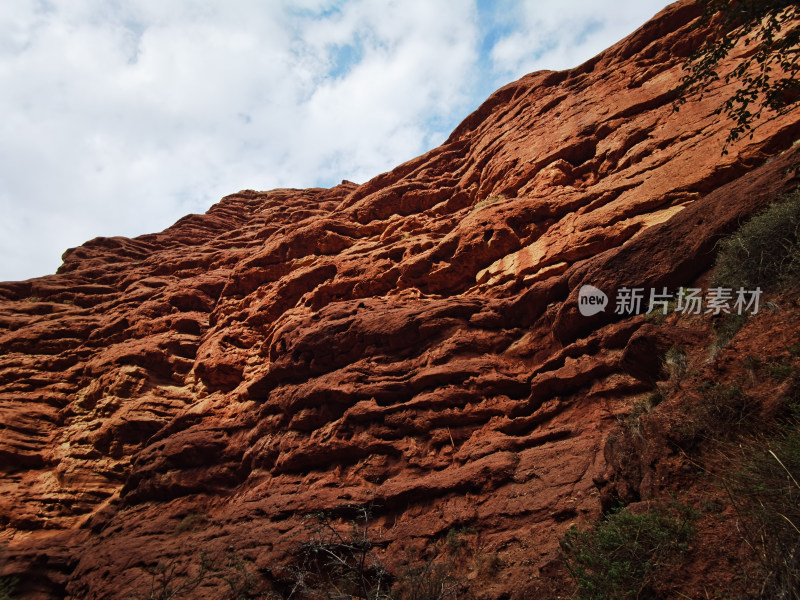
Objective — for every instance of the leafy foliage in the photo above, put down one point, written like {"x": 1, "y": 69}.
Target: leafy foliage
{"x": 765, "y": 251}
{"x": 725, "y": 407}
{"x": 7, "y": 586}
{"x": 768, "y": 74}
{"x": 627, "y": 553}
{"x": 725, "y": 329}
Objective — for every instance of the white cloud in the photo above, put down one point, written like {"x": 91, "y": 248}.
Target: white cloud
{"x": 562, "y": 35}
{"x": 121, "y": 117}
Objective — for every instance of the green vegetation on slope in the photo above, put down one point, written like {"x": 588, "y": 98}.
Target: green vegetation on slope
{"x": 765, "y": 251}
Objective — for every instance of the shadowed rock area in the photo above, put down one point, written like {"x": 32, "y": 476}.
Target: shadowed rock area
{"x": 411, "y": 344}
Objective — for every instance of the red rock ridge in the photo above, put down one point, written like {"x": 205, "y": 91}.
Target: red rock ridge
{"x": 411, "y": 343}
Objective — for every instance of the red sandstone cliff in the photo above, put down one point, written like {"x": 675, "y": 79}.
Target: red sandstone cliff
{"x": 411, "y": 343}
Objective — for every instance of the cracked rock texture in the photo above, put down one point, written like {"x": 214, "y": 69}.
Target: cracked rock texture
{"x": 411, "y": 343}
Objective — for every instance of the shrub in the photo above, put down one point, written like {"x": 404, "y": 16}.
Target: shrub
{"x": 190, "y": 521}
{"x": 174, "y": 578}
{"x": 725, "y": 406}
{"x": 720, "y": 413}
{"x": 488, "y": 201}
{"x": 455, "y": 537}
{"x": 627, "y": 553}
{"x": 765, "y": 251}
{"x": 633, "y": 421}
{"x": 725, "y": 330}
{"x": 7, "y": 585}
{"x": 780, "y": 370}
{"x": 171, "y": 579}
{"x": 428, "y": 581}
{"x": 339, "y": 562}
{"x": 766, "y": 493}
{"x": 241, "y": 582}
{"x": 675, "y": 363}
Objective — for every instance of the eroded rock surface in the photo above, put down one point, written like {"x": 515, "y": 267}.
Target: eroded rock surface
{"x": 412, "y": 343}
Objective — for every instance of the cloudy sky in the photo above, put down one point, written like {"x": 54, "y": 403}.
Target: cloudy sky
{"x": 121, "y": 116}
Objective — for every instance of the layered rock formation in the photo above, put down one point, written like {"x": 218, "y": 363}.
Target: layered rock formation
{"x": 412, "y": 344}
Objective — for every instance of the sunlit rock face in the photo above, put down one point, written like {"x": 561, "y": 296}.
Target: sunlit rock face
{"x": 412, "y": 344}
